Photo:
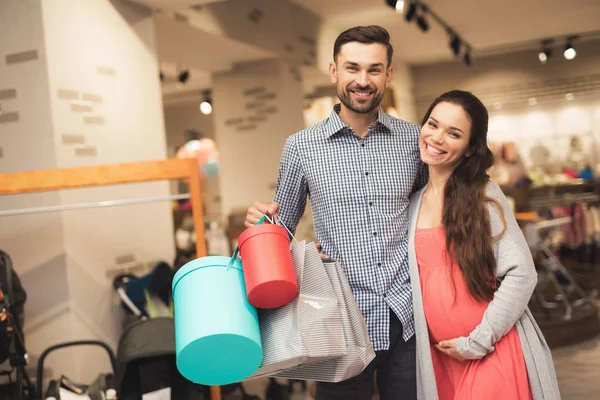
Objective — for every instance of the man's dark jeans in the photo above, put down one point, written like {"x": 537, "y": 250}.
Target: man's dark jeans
{"x": 396, "y": 373}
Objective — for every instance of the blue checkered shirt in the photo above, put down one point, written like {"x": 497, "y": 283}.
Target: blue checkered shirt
{"x": 359, "y": 191}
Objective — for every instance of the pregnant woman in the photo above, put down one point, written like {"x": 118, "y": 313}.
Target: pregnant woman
{"x": 471, "y": 270}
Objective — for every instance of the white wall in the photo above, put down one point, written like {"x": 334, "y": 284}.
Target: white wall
{"x": 178, "y": 119}
{"x": 402, "y": 85}
{"x": 27, "y": 143}
{"x": 102, "y": 53}
{"x": 250, "y": 158}
{"x": 34, "y": 242}
{"x": 182, "y": 117}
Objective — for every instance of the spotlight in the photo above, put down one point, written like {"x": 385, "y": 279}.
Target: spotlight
{"x": 206, "y": 105}
{"x": 546, "y": 51}
{"x": 467, "y": 57}
{"x": 422, "y": 22}
{"x": 569, "y": 96}
{"x": 455, "y": 43}
{"x": 412, "y": 10}
{"x": 570, "y": 52}
{"x": 532, "y": 101}
{"x": 184, "y": 76}
{"x": 397, "y": 4}
{"x": 400, "y": 6}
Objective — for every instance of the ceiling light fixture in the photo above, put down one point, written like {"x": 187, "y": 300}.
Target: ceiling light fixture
{"x": 454, "y": 43}
{"x": 421, "y": 12}
{"x": 570, "y": 52}
{"x": 183, "y": 76}
{"x": 398, "y": 5}
{"x": 206, "y": 105}
{"x": 412, "y": 10}
{"x": 546, "y": 51}
{"x": 422, "y": 22}
{"x": 467, "y": 57}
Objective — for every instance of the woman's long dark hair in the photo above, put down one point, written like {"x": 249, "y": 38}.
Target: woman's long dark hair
{"x": 465, "y": 217}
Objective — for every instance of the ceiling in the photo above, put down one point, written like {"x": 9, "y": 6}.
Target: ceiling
{"x": 197, "y": 81}
{"x": 488, "y": 26}
{"x": 200, "y": 49}
{"x": 485, "y": 24}
{"x": 184, "y": 47}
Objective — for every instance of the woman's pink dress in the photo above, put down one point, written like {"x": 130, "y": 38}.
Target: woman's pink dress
{"x": 500, "y": 375}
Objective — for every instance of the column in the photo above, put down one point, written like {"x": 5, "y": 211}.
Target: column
{"x": 80, "y": 86}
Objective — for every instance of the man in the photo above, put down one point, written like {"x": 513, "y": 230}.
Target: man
{"x": 359, "y": 167}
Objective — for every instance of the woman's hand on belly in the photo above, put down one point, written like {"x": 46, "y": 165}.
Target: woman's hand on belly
{"x": 448, "y": 347}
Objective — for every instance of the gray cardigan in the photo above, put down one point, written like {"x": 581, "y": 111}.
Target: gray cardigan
{"x": 518, "y": 277}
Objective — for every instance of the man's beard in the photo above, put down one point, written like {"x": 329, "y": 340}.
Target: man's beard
{"x": 360, "y": 107}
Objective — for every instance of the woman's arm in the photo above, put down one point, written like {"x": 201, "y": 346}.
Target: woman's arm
{"x": 518, "y": 278}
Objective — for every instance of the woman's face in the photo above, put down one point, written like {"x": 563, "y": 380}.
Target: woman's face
{"x": 444, "y": 138}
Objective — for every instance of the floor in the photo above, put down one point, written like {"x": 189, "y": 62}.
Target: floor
{"x": 577, "y": 368}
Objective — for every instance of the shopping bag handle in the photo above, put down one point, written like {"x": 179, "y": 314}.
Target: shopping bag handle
{"x": 260, "y": 221}
{"x": 279, "y": 221}
{"x": 237, "y": 247}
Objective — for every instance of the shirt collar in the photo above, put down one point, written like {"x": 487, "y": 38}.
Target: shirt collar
{"x": 334, "y": 123}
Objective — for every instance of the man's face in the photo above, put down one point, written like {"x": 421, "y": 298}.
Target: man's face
{"x": 361, "y": 75}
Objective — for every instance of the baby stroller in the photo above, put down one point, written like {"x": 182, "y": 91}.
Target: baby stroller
{"x": 146, "y": 352}
{"x": 101, "y": 389}
{"x": 12, "y": 342}
{"x": 146, "y": 363}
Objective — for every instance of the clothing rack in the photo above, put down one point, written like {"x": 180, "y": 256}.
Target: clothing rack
{"x": 564, "y": 199}
{"x": 99, "y": 204}
{"x": 537, "y": 238}
{"x": 106, "y": 175}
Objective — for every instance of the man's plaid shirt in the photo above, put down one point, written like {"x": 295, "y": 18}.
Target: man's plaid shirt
{"x": 359, "y": 191}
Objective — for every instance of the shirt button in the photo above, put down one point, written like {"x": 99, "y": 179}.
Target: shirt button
{"x": 362, "y": 145}
{"x": 370, "y": 203}
{"x": 366, "y": 173}
{"x": 374, "y": 233}
{"x": 379, "y": 264}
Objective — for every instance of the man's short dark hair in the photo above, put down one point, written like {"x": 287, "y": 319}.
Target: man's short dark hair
{"x": 367, "y": 35}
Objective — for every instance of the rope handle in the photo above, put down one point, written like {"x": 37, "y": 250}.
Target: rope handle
{"x": 275, "y": 221}
{"x": 280, "y": 222}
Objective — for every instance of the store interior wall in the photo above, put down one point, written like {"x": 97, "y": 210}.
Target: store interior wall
{"x": 530, "y": 103}
{"x": 402, "y": 90}
{"x": 491, "y": 75}
{"x": 90, "y": 97}
{"x": 35, "y": 242}
{"x": 256, "y": 107}
{"x": 180, "y": 119}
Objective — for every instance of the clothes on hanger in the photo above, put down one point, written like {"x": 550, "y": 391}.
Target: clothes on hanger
{"x": 580, "y": 240}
